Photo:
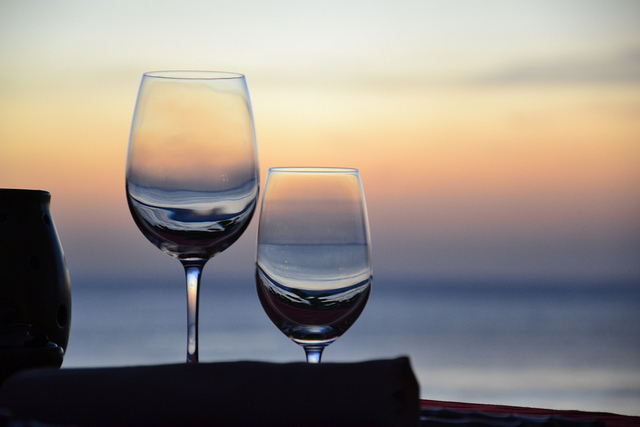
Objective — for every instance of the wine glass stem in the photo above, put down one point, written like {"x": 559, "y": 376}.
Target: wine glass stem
{"x": 193, "y": 272}
{"x": 314, "y": 353}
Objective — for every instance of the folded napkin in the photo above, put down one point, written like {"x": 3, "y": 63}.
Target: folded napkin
{"x": 372, "y": 393}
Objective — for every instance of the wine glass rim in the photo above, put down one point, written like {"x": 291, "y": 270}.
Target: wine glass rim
{"x": 313, "y": 170}
{"x": 193, "y": 75}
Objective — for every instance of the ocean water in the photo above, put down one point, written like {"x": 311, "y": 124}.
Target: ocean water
{"x": 558, "y": 346}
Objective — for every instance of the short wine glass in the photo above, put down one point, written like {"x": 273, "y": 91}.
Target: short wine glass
{"x": 313, "y": 263}
{"x": 192, "y": 177}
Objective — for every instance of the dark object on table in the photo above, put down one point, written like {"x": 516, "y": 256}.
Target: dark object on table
{"x": 373, "y": 393}
{"x": 20, "y": 350}
{"x": 35, "y": 291}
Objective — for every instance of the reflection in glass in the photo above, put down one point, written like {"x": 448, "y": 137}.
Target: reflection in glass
{"x": 313, "y": 264}
{"x": 192, "y": 170}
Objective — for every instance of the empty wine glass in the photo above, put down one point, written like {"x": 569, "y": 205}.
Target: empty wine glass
{"x": 313, "y": 264}
{"x": 192, "y": 176}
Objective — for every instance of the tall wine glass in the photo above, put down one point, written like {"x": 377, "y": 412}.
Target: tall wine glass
{"x": 192, "y": 170}
{"x": 313, "y": 264}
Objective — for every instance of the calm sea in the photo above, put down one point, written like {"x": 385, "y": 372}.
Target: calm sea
{"x": 553, "y": 346}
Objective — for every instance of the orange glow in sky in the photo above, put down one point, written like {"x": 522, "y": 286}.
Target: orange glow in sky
{"x": 510, "y": 128}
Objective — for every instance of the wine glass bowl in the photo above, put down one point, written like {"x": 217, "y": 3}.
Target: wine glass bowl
{"x": 192, "y": 178}
{"x": 313, "y": 263}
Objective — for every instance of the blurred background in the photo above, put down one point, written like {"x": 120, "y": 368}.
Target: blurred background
{"x": 498, "y": 143}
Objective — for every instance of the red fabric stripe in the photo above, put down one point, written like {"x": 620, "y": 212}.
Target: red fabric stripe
{"x": 611, "y": 420}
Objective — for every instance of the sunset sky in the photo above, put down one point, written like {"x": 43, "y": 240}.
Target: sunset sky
{"x": 495, "y": 139}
